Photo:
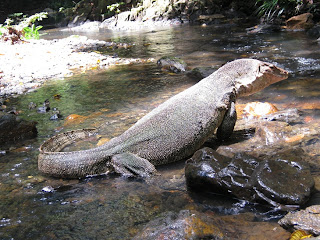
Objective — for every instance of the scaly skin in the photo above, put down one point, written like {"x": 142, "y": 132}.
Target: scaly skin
{"x": 171, "y": 132}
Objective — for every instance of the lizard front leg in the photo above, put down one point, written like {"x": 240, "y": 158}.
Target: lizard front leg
{"x": 226, "y": 127}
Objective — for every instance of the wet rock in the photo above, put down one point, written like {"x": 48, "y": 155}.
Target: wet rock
{"x": 210, "y": 19}
{"x": 74, "y": 119}
{"x": 172, "y": 64}
{"x": 13, "y": 129}
{"x": 315, "y": 31}
{"x": 300, "y": 22}
{"x": 200, "y": 72}
{"x": 32, "y": 105}
{"x": 264, "y": 28}
{"x": 48, "y": 189}
{"x": 54, "y": 18}
{"x": 272, "y": 132}
{"x": 87, "y": 26}
{"x": 55, "y": 115}
{"x": 45, "y": 107}
{"x": 272, "y": 129}
{"x": 283, "y": 181}
{"x": 278, "y": 134}
{"x": 284, "y": 133}
{"x": 188, "y": 224}
{"x": 291, "y": 115}
{"x": 182, "y": 225}
{"x": 81, "y": 12}
{"x": 258, "y": 109}
{"x": 308, "y": 220}
{"x": 274, "y": 181}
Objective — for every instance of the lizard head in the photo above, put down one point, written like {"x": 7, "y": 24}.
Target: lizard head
{"x": 258, "y": 76}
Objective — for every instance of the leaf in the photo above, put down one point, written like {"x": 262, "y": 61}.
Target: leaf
{"x": 38, "y": 28}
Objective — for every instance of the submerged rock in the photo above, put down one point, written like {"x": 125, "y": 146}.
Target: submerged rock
{"x": 200, "y": 72}
{"x": 264, "y": 28}
{"x": 182, "y": 225}
{"x": 315, "y": 31}
{"x": 262, "y": 137}
{"x": 277, "y": 182}
{"x": 45, "y": 107}
{"x": 73, "y": 119}
{"x": 172, "y": 64}
{"x": 290, "y": 115}
{"x": 13, "y": 129}
{"x": 188, "y": 224}
{"x": 210, "y": 19}
{"x": 55, "y": 115}
{"x": 308, "y": 220}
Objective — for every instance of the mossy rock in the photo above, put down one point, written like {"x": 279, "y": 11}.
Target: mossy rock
{"x": 172, "y": 64}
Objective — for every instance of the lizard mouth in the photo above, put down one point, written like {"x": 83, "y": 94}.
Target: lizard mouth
{"x": 263, "y": 79}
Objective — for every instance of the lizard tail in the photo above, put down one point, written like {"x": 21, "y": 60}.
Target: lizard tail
{"x": 60, "y": 141}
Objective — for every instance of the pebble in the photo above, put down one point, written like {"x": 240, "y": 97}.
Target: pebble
{"x": 48, "y": 189}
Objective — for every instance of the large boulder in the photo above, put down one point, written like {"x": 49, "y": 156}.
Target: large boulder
{"x": 300, "y": 22}
{"x": 54, "y": 18}
{"x": 13, "y": 128}
{"x": 82, "y": 12}
{"x": 277, "y": 182}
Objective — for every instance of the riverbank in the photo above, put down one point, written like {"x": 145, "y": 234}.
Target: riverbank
{"x": 27, "y": 65}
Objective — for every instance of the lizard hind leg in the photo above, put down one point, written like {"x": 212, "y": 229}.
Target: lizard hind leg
{"x": 130, "y": 165}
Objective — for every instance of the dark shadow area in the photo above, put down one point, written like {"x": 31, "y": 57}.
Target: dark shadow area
{"x": 236, "y": 137}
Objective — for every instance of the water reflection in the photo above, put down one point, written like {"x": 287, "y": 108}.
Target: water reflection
{"x": 33, "y": 206}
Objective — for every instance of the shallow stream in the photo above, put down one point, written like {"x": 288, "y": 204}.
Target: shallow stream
{"x": 33, "y": 206}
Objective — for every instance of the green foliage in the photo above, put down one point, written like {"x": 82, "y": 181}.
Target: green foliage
{"x": 14, "y": 18}
{"x": 115, "y": 8}
{"x": 271, "y": 9}
{"x": 2, "y": 30}
{"x": 32, "y": 32}
{"x": 29, "y": 21}
{"x": 26, "y": 27}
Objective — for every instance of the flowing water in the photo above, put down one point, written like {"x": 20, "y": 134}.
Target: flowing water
{"x": 33, "y": 206}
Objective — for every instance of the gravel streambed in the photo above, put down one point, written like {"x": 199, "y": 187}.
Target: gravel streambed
{"x": 25, "y": 66}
